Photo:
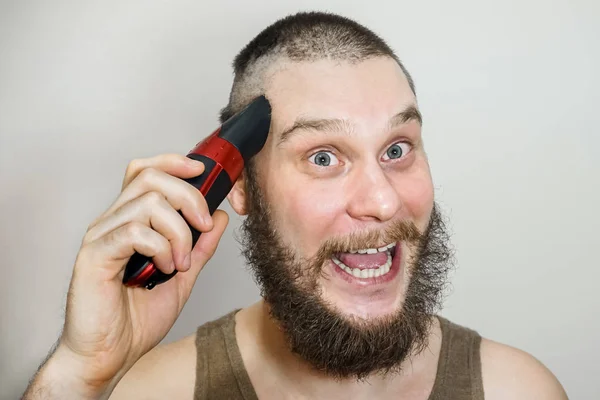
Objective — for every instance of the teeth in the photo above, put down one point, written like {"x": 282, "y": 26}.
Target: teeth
{"x": 366, "y": 273}
{"x": 373, "y": 251}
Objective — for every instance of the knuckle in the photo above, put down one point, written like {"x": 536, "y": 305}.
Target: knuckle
{"x": 148, "y": 174}
{"x": 161, "y": 245}
{"x": 154, "y": 198}
{"x": 186, "y": 238}
{"x": 179, "y": 234}
{"x": 132, "y": 167}
{"x": 87, "y": 238}
{"x": 164, "y": 247}
{"x": 134, "y": 229}
{"x": 90, "y": 234}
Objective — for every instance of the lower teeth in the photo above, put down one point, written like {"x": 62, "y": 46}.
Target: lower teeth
{"x": 366, "y": 273}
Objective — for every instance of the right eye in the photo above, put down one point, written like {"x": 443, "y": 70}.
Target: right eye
{"x": 323, "y": 158}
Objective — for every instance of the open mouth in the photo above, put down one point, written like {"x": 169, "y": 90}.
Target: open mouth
{"x": 366, "y": 263}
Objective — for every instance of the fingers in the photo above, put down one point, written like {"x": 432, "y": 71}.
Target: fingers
{"x": 151, "y": 209}
{"x": 204, "y": 250}
{"x": 151, "y": 216}
{"x": 180, "y": 194}
{"x": 173, "y": 164}
{"x": 109, "y": 253}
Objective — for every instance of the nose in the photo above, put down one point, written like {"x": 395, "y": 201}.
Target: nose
{"x": 373, "y": 195}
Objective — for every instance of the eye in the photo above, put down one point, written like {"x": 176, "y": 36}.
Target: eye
{"x": 323, "y": 158}
{"x": 397, "y": 150}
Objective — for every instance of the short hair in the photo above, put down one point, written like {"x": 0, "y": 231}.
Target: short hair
{"x": 304, "y": 36}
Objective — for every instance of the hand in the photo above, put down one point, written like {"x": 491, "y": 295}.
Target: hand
{"x": 109, "y": 326}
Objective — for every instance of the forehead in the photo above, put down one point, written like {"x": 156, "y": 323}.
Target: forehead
{"x": 366, "y": 93}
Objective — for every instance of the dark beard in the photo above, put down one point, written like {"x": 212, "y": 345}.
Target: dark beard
{"x": 336, "y": 344}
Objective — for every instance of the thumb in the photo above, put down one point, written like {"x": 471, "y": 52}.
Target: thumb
{"x": 204, "y": 250}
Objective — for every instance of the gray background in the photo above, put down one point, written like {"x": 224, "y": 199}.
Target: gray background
{"x": 509, "y": 91}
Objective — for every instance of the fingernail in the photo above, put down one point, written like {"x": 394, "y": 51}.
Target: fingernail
{"x": 194, "y": 163}
{"x": 187, "y": 262}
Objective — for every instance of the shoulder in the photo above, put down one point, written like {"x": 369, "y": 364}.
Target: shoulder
{"x": 510, "y": 373}
{"x": 170, "y": 370}
{"x": 167, "y": 370}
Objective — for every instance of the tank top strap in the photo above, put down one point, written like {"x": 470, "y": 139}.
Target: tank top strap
{"x": 220, "y": 371}
{"x": 459, "y": 366}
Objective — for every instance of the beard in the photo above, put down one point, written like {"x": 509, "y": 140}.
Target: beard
{"x": 334, "y": 343}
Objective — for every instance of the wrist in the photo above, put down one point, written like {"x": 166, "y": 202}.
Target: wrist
{"x": 67, "y": 373}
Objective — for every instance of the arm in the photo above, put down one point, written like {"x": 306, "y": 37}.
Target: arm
{"x": 166, "y": 372}
{"x": 108, "y": 326}
{"x": 60, "y": 376}
{"x": 510, "y": 373}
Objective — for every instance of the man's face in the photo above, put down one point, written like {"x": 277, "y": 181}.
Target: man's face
{"x": 341, "y": 216}
{"x": 360, "y": 175}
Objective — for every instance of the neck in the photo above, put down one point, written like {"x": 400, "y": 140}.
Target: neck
{"x": 299, "y": 376}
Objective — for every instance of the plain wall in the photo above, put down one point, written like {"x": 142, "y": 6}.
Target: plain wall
{"x": 508, "y": 89}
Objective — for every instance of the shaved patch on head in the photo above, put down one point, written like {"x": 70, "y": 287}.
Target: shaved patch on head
{"x": 302, "y": 37}
{"x": 253, "y": 81}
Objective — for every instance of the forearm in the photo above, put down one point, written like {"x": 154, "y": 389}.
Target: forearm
{"x": 61, "y": 377}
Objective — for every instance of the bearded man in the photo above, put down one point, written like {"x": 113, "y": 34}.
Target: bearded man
{"x": 341, "y": 231}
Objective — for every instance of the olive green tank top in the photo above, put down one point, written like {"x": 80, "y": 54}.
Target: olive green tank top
{"x": 220, "y": 371}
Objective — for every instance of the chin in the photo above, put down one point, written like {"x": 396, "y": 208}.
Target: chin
{"x": 368, "y": 312}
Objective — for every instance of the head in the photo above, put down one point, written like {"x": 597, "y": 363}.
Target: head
{"x": 341, "y": 231}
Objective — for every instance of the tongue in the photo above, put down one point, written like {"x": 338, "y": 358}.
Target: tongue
{"x": 363, "y": 261}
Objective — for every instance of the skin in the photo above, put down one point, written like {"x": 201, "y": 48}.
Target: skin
{"x": 109, "y": 327}
{"x": 361, "y": 190}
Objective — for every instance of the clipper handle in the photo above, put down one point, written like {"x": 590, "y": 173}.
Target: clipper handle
{"x": 215, "y": 184}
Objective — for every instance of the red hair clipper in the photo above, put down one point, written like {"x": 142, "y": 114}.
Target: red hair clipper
{"x": 224, "y": 154}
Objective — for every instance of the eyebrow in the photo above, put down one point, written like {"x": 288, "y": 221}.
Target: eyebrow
{"x": 336, "y": 125}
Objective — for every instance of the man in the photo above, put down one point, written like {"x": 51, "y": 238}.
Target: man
{"x": 341, "y": 231}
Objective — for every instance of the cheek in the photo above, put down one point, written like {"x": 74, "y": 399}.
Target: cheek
{"x": 416, "y": 192}
{"x": 308, "y": 211}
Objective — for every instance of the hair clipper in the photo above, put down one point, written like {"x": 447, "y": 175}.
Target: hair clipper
{"x": 224, "y": 154}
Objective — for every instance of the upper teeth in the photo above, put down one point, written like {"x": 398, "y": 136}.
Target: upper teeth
{"x": 366, "y": 273}
{"x": 373, "y": 251}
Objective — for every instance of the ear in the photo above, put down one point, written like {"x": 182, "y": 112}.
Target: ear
{"x": 237, "y": 195}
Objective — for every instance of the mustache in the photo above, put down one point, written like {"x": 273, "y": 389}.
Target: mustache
{"x": 398, "y": 231}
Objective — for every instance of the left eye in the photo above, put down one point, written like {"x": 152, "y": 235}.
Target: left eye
{"x": 397, "y": 150}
